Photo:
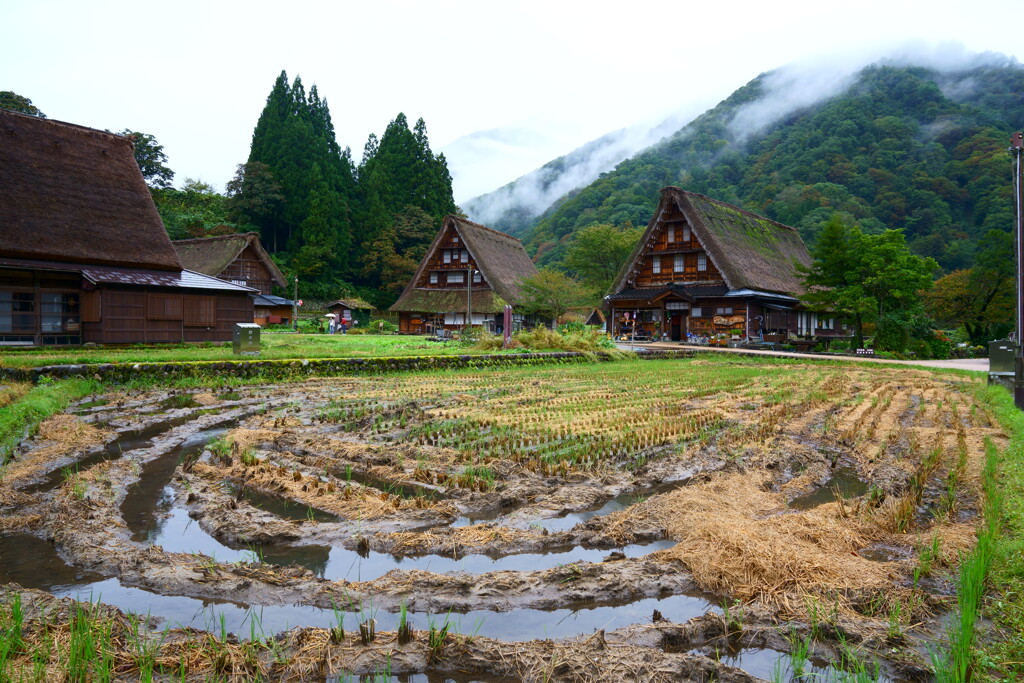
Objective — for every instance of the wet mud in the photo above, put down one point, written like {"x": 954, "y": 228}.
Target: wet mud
{"x": 624, "y": 530}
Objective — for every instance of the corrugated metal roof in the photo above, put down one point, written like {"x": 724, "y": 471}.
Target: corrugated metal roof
{"x": 270, "y": 300}
{"x": 186, "y": 279}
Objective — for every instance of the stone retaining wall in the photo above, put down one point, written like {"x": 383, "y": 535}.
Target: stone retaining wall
{"x": 281, "y": 369}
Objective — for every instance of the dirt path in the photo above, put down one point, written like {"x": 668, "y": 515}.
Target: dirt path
{"x": 972, "y": 364}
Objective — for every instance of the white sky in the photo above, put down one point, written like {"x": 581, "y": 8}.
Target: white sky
{"x": 196, "y": 74}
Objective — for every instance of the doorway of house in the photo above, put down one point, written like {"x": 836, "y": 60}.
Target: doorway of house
{"x": 676, "y": 326}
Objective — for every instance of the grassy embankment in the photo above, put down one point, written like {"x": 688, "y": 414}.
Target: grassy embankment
{"x": 273, "y": 346}
{"x": 995, "y": 652}
{"x": 307, "y": 346}
{"x": 22, "y": 407}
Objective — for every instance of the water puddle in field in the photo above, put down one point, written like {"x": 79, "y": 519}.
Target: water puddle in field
{"x": 782, "y": 667}
{"x": 568, "y": 521}
{"x": 347, "y": 564}
{"x": 620, "y": 502}
{"x": 517, "y": 624}
{"x": 844, "y": 483}
{"x": 152, "y": 511}
{"x": 284, "y": 508}
{"x": 126, "y": 441}
{"x": 430, "y": 677}
{"x": 34, "y": 563}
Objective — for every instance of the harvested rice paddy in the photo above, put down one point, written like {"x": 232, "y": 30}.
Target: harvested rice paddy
{"x": 657, "y": 520}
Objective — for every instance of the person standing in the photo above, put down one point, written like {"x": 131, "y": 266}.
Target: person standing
{"x": 344, "y": 326}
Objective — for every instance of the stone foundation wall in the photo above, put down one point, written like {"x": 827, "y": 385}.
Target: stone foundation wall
{"x": 282, "y": 369}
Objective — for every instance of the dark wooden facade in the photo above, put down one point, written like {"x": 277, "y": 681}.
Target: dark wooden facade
{"x": 468, "y": 276}
{"x": 53, "y": 307}
{"x": 704, "y": 268}
{"x": 84, "y": 256}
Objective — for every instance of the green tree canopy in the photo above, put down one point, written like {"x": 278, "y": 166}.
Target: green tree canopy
{"x": 15, "y": 102}
{"x": 150, "y": 156}
{"x": 552, "y": 294}
{"x": 865, "y": 277}
{"x": 196, "y": 210}
{"x": 597, "y": 252}
{"x": 980, "y": 299}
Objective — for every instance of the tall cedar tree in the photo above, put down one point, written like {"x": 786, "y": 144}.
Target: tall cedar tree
{"x": 399, "y": 177}
{"x": 294, "y": 134}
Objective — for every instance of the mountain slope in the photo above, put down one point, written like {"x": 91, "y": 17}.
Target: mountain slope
{"x": 908, "y": 147}
{"x": 517, "y": 205}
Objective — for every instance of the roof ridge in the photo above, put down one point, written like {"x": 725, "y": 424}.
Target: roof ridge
{"x": 68, "y": 124}
{"x": 232, "y": 235}
{"x": 483, "y": 227}
{"x": 732, "y": 206}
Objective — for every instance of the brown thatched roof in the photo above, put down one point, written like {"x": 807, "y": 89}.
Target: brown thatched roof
{"x": 750, "y": 251}
{"x": 212, "y": 255}
{"x": 500, "y": 258}
{"x": 352, "y": 303}
{"x": 75, "y": 194}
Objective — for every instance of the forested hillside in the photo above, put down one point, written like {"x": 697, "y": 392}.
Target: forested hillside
{"x": 902, "y": 147}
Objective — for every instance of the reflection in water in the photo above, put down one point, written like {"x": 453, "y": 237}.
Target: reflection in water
{"x": 780, "y": 666}
{"x": 517, "y": 624}
{"x": 33, "y": 563}
{"x": 844, "y": 481}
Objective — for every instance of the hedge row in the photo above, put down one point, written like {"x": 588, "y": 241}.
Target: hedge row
{"x": 282, "y": 369}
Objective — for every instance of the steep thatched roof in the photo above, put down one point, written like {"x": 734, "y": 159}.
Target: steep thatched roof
{"x": 76, "y": 195}
{"x": 751, "y": 252}
{"x": 212, "y": 255}
{"x": 352, "y": 303}
{"x": 499, "y": 257}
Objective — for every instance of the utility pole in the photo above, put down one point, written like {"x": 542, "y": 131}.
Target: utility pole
{"x": 1016, "y": 149}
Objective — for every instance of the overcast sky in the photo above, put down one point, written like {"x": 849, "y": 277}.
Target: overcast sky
{"x": 549, "y": 75}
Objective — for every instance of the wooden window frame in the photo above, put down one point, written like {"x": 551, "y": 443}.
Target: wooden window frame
{"x": 656, "y": 265}
{"x": 678, "y": 264}
{"x": 199, "y": 310}
{"x": 164, "y": 306}
{"x": 702, "y": 262}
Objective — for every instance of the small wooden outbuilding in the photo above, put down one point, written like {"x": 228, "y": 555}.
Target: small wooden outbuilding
{"x": 84, "y": 256}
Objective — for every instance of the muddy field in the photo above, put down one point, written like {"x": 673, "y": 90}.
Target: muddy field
{"x": 661, "y": 520}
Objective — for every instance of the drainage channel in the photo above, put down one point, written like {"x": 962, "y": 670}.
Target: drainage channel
{"x": 126, "y": 441}
{"x": 34, "y": 563}
{"x": 154, "y": 515}
{"x": 783, "y": 667}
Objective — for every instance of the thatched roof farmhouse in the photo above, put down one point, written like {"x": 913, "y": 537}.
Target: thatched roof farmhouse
{"x": 705, "y": 267}
{"x": 84, "y": 255}
{"x": 439, "y": 293}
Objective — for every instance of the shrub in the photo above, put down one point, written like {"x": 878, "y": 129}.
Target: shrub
{"x": 381, "y": 327}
